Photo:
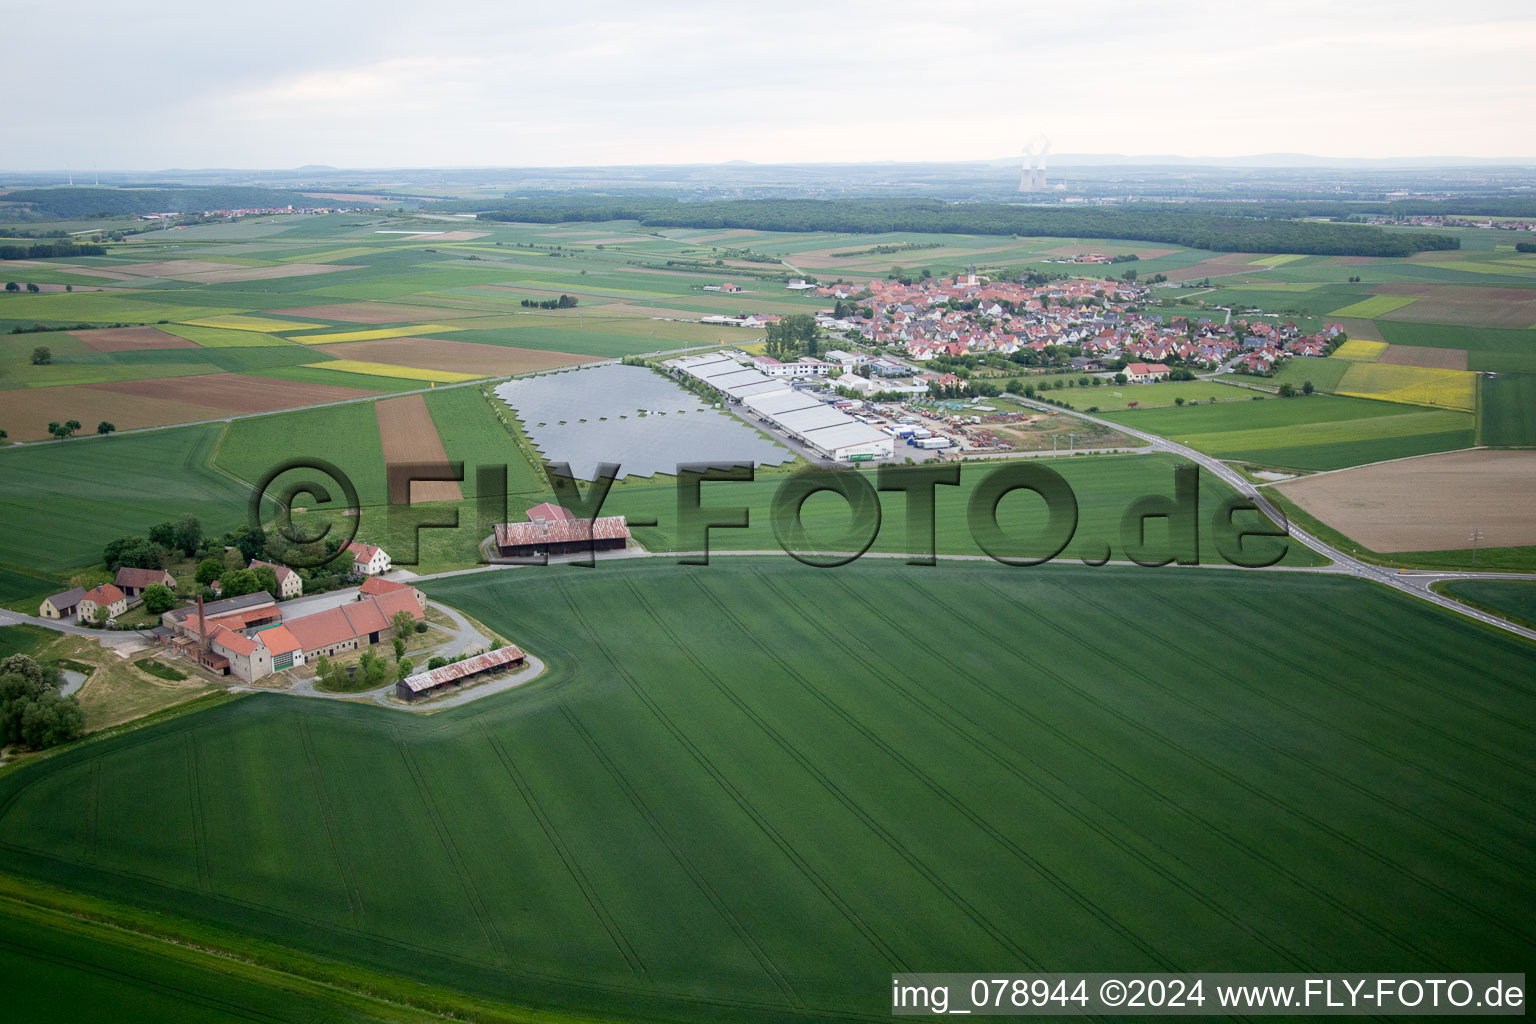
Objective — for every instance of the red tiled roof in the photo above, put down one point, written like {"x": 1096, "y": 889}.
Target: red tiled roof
{"x": 338, "y": 625}
{"x": 106, "y": 594}
{"x": 567, "y": 531}
{"x": 469, "y": 666}
{"x": 322, "y": 629}
{"x": 363, "y": 552}
{"x": 366, "y": 617}
{"x": 375, "y": 585}
{"x": 549, "y": 510}
{"x": 232, "y": 641}
{"x": 237, "y": 619}
{"x": 278, "y": 640}
{"x": 398, "y": 601}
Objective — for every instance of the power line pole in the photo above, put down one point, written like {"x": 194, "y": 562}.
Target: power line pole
{"x": 1475, "y": 538}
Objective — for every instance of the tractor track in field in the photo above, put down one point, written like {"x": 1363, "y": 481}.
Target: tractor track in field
{"x": 199, "y": 830}
{"x": 1297, "y": 812}
{"x": 736, "y": 796}
{"x": 1003, "y": 760}
{"x": 552, "y": 836}
{"x": 743, "y": 934}
{"x": 1217, "y": 770}
{"x": 184, "y": 995}
{"x": 472, "y": 894}
{"x": 896, "y": 845}
{"x": 1328, "y": 686}
{"x": 332, "y": 828}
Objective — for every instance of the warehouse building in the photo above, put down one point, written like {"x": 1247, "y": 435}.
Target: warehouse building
{"x": 552, "y": 530}
{"x": 435, "y": 681}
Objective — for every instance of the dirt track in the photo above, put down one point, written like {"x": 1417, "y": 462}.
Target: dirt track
{"x": 1431, "y": 503}
{"x": 409, "y": 437}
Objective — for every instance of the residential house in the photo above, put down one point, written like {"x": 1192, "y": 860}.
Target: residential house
{"x": 1145, "y": 373}
{"x": 368, "y": 559}
{"x": 289, "y": 584}
{"x": 102, "y": 603}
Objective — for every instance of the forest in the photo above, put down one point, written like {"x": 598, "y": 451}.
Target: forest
{"x": 1182, "y": 225}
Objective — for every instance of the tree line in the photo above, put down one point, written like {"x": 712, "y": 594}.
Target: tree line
{"x": 49, "y": 250}
{"x": 1187, "y": 226}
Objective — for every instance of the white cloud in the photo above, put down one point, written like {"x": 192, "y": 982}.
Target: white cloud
{"x": 486, "y": 83}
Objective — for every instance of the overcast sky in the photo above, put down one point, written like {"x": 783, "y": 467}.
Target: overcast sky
{"x": 395, "y": 83}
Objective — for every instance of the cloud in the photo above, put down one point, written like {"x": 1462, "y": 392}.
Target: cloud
{"x": 389, "y": 83}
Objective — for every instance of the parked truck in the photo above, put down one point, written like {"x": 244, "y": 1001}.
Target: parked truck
{"x": 933, "y": 442}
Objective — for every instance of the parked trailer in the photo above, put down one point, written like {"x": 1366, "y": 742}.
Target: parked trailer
{"x": 933, "y": 442}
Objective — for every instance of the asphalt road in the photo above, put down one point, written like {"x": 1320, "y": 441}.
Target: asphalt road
{"x": 1409, "y": 582}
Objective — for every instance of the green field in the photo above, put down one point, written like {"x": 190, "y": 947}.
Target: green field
{"x": 1506, "y": 409}
{"x": 1324, "y": 374}
{"x": 23, "y": 639}
{"x": 344, "y": 435}
{"x": 753, "y": 790}
{"x": 1513, "y": 599}
{"x": 17, "y": 584}
{"x": 62, "y": 502}
{"x": 1318, "y": 432}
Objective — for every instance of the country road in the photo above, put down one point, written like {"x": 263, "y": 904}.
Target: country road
{"x": 1409, "y": 582}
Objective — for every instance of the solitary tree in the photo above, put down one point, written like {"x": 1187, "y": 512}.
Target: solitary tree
{"x": 1306, "y": 387}
{"x": 104, "y": 428}
{"x": 73, "y": 425}
{"x": 1287, "y": 390}
{"x": 34, "y": 289}
{"x": 42, "y": 355}
{"x": 12, "y": 286}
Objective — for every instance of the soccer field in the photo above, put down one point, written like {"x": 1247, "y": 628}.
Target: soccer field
{"x": 753, "y": 790}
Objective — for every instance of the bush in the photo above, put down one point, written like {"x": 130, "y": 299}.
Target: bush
{"x": 158, "y": 599}
{"x": 421, "y": 627}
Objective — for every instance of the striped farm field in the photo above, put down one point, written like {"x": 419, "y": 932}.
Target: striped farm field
{"x": 748, "y": 791}
{"x": 390, "y": 370}
{"x": 1506, "y": 409}
{"x": 1356, "y": 350}
{"x": 1320, "y": 432}
{"x": 250, "y": 323}
{"x": 1374, "y": 306}
{"x": 383, "y": 332}
{"x": 1414, "y": 385}
{"x": 222, "y": 337}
